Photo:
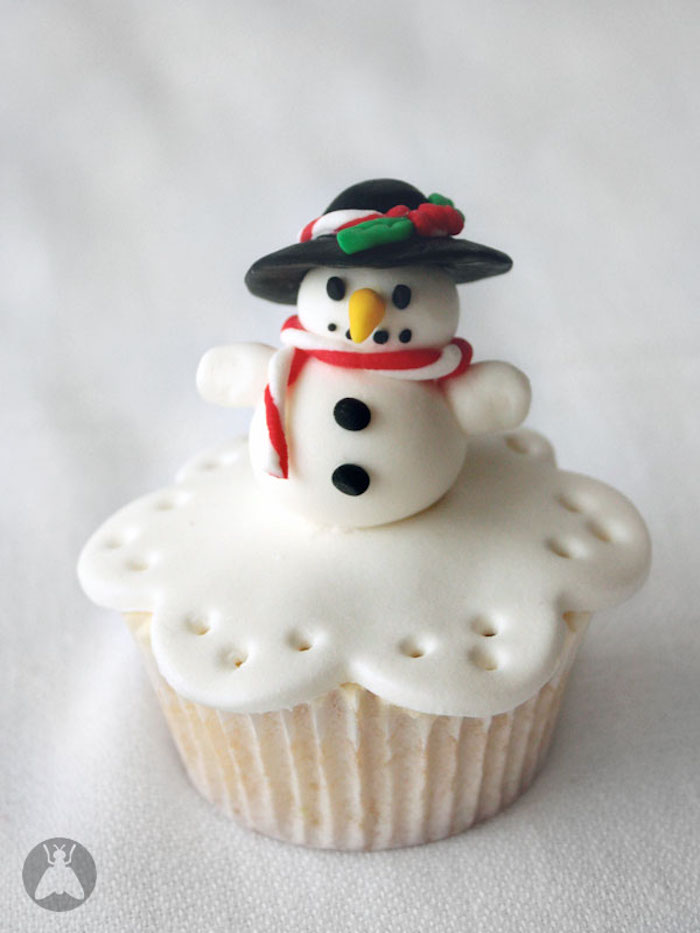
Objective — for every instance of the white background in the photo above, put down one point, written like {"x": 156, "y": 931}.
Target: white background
{"x": 151, "y": 151}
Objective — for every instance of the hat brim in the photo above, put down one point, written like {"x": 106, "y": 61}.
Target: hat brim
{"x": 278, "y": 275}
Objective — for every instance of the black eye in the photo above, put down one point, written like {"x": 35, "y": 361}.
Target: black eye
{"x": 401, "y": 296}
{"x": 335, "y": 288}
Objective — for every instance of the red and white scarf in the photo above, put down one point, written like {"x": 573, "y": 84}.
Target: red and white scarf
{"x": 300, "y": 345}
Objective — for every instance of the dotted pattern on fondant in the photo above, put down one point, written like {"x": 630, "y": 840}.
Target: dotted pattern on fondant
{"x": 462, "y": 609}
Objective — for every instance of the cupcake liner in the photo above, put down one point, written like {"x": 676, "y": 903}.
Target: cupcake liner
{"x": 348, "y": 770}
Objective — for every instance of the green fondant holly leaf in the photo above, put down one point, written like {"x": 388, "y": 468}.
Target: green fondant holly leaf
{"x": 375, "y": 232}
{"x": 440, "y": 199}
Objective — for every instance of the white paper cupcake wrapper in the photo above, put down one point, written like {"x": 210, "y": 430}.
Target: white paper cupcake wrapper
{"x": 350, "y": 771}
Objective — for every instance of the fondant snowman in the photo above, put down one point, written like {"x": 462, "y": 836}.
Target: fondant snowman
{"x": 363, "y": 416}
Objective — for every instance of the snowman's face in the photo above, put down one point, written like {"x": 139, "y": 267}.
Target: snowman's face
{"x": 380, "y": 309}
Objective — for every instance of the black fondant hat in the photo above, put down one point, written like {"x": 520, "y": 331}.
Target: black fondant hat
{"x": 278, "y": 275}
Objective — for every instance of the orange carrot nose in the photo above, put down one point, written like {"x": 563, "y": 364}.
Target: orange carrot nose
{"x": 365, "y": 310}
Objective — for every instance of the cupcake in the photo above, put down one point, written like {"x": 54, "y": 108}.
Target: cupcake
{"x": 360, "y": 620}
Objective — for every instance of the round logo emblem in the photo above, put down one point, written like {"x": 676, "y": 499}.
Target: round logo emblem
{"x": 59, "y": 874}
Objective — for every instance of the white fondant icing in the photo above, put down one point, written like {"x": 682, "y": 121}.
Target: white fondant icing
{"x": 458, "y": 610}
{"x": 234, "y": 375}
{"x": 489, "y": 396}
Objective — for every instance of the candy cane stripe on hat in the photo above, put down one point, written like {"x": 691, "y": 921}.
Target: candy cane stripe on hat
{"x": 329, "y": 224}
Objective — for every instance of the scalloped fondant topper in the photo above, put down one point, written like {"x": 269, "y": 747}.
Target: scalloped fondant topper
{"x": 463, "y": 609}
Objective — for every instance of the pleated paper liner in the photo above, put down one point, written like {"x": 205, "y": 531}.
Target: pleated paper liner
{"x": 350, "y": 771}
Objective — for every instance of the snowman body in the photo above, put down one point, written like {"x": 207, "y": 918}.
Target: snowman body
{"x": 364, "y": 448}
{"x": 365, "y": 443}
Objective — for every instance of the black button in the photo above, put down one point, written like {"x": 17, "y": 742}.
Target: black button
{"x": 350, "y": 479}
{"x": 352, "y": 414}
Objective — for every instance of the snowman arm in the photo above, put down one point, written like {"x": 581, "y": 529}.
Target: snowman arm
{"x": 489, "y": 396}
{"x": 234, "y": 375}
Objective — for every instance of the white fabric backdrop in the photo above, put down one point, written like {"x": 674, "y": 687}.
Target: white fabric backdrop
{"x": 150, "y": 152}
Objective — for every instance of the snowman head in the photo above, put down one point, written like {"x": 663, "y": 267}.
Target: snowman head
{"x": 402, "y": 307}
